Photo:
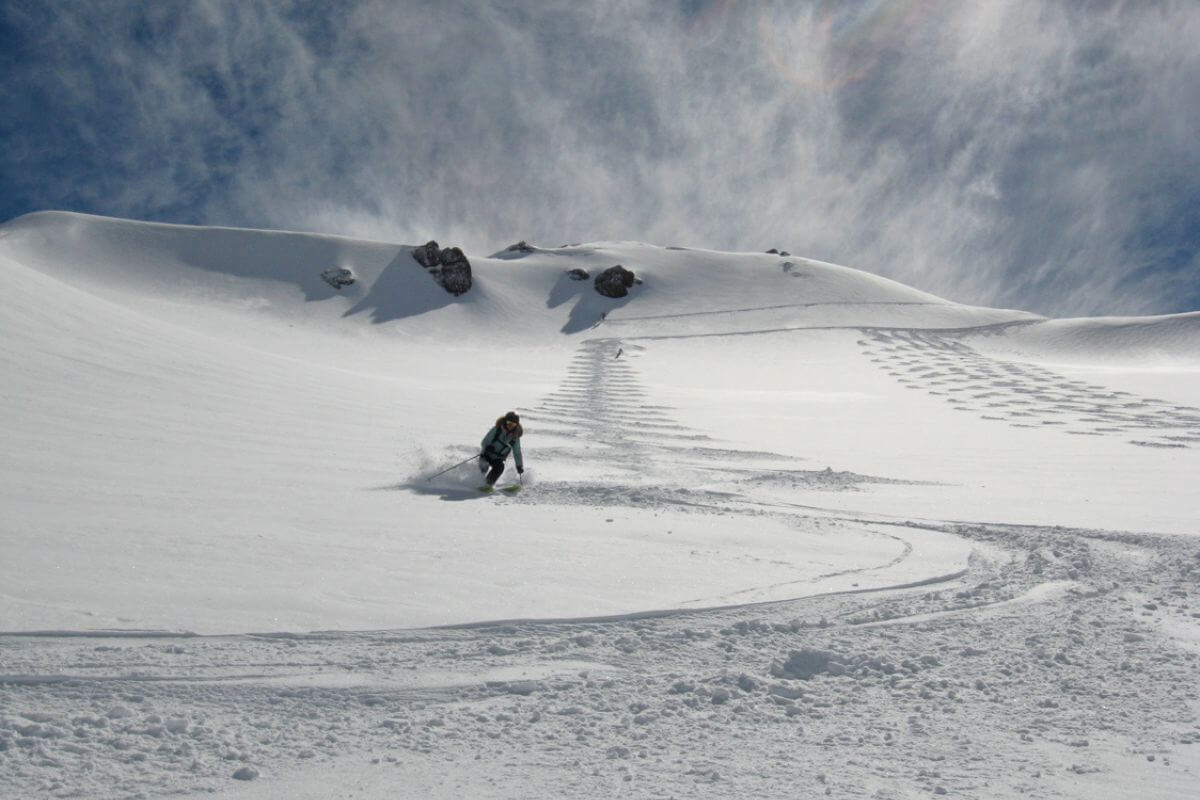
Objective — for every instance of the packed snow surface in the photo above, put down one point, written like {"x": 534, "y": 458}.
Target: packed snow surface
{"x": 786, "y": 528}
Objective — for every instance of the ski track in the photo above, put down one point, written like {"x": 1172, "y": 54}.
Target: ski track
{"x": 872, "y": 693}
{"x": 905, "y": 680}
{"x": 1026, "y": 395}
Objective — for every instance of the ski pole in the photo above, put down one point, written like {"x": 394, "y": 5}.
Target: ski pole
{"x": 447, "y": 469}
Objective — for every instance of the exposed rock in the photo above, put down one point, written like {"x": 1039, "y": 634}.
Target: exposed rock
{"x": 615, "y": 281}
{"x": 449, "y": 267}
{"x": 427, "y": 256}
{"x": 578, "y": 274}
{"x": 777, "y": 252}
{"x": 520, "y": 247}
{"x": 338, "y": 277}
{"x": 455, "y": 273}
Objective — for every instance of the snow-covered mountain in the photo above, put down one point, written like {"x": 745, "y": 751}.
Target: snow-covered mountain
{"x": 788, "y": 528}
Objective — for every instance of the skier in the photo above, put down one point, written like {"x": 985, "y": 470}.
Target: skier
{"x": 504, "y": 436}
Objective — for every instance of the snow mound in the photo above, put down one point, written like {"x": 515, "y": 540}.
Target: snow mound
{"x": 278, "y": 276}
{"x": 1142, "y": 341}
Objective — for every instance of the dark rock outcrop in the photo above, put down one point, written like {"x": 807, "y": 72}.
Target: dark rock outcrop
{"x": 427, "y": 256}
{"x": 449, "y": 267}
{"x": 615, "y": 281}
{"x": 578, "y": 274}
{"x": 337, "y": 277}
{"x": 520, "y": 247}
{"x": 455, "y": 272}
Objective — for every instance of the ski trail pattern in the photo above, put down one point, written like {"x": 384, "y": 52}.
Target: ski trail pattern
{"x": 601, "y": 408}
{"x": 954, "y": 690}
{"x": 1025, "y": 395}
{"x": 602, "y": 401}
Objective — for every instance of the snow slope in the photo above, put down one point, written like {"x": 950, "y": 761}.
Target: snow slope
{"x": 974, "y": 527}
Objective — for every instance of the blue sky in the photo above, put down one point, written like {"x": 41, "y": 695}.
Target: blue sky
{"x": 1041, "y": 154}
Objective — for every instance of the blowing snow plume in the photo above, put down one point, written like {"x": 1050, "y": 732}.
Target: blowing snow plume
{"x": 1013, "y": 153}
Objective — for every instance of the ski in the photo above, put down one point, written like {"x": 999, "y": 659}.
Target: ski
{"x": 512, "y": 488}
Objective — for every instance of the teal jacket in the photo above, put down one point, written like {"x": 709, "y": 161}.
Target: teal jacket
{"x": 499, "y": 442}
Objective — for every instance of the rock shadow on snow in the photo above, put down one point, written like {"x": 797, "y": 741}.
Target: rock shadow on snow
{"x": 402, "y": 290}
{"x": 590, "y": 306}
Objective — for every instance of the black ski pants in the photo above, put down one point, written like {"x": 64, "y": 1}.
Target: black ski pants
{"x": 497, "y": 465}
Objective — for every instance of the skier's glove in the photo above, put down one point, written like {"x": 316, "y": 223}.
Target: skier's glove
{"x": 520, "y": 470}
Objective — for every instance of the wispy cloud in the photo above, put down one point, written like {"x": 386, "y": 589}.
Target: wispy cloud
{"x": 1015, "y": 152}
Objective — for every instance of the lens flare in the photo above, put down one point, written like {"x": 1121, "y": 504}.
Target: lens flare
{"x": 837, "y": 43}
